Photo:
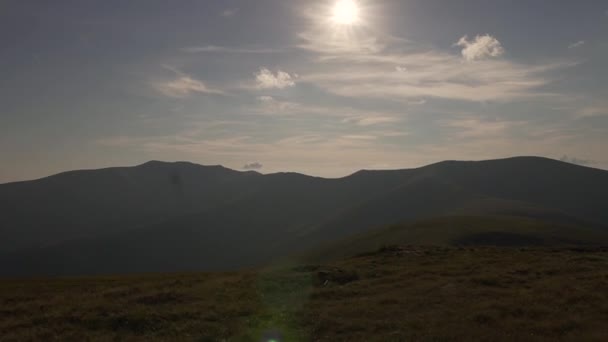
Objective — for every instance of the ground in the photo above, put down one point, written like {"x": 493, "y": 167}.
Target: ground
{"x": 395, "y": 294}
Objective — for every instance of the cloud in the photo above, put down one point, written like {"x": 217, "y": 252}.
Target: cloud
{"x": 482, "y": 47}
{"x": 362, "y": 65}
{"x": 577, "y": 161}
{"x": 271, "y": 106}
{"x": 253, "y": 166}
{"x": 184, "y": 86}
{"x": 430, "y": 74}
{"x": 417, "y": 102}
{"x": 267, "y": 80}
{"x": 371, "y": 120}
{"x": 477, "y": 128}
{"x": 577, "y": 44}
{"x": 320, "y": 41}
{"x": 586, "y": 108}
{"x": 229, "y": 12}
{"x": 224, "y": 49}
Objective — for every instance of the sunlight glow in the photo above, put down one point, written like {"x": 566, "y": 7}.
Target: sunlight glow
{"x": 346, "y": 12}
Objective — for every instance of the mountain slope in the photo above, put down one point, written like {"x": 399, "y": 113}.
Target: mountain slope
{"x": 182, "y": 216}
{"x": 491, "y": 230}
{"x": 81, "y": 204}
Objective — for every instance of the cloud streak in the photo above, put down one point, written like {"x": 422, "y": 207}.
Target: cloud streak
{"x": 576, "y": 45}
{"x": 184, "y": 86}
{"x": 362, "y": 65}
{"x": 225, "y": 49}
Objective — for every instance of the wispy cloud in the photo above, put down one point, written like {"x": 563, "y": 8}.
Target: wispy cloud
{"x": 225, "y": 49}
{"x": 229, "y": 12}
{"x": 184, "y": 86}
{"x": 268, "y": 105}
{"x": 371, "y": 120}
{"x": 577, "y": 44}
{"x": 266, "y": 79}
{"x": 364, "y": 65}
{"x": 573, "y": 160}
{"x": 481, "y": 47}
{"x": 430, "y": 75}
{"x": 253, "y": 166}
{"x": 478, "y": 128}
{"x": 591, "y": 110}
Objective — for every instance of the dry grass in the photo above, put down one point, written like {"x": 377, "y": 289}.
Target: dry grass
{"x": 397, "y": 294}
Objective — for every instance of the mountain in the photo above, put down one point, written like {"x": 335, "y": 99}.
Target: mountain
{"x": 81, "y": 204}
{"x": 182, "y": 216}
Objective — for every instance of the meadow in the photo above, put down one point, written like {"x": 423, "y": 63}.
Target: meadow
{"x": 398, "y": 293}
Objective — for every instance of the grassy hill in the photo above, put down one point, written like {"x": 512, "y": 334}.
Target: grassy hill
{"x": 396, "y": 294}
{"x": 500, "y": 231}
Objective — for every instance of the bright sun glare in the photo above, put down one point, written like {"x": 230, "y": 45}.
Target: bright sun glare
{"x": 346, "y": 12}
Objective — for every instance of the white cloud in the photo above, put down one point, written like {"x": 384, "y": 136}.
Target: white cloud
{"x": 267, "y": 80}
{"x": 481, "y": 47}
{"x": 577, "y": 44}
{"x": 400, "y": 69}
{"x": 229, "y": 12}
{"x": 184, "y": 86}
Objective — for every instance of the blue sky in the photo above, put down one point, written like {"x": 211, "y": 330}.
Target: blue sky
{"x": 279, "y": 85}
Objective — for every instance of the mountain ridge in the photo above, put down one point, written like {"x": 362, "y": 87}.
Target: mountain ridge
{"x": 212, "y": 217}
{"x": 355, "y": 173}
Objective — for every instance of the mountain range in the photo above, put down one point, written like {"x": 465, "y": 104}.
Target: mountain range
{"x": 159, "y": 217}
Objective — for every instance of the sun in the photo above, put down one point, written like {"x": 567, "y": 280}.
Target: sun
{"x": 346, "y": 12}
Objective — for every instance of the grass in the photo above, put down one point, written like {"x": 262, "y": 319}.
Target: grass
{"x": 457, "y": 231}
{"x": 394, "y": 294}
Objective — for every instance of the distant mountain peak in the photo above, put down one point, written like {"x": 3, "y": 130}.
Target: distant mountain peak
{"x": 158, "y": 163}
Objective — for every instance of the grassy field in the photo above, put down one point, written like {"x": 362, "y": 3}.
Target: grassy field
{"x": 455, "y": 231}
{"x": 395, "y": 294}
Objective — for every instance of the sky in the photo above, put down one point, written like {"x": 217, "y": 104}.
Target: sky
{"x": 323, "y": 87}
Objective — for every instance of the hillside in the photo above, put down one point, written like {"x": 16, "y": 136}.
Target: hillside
{"x": 91, "y": 203}
{"x": 162, "y": 217}
{"x": 462, "y": 231}
{"x": 397, "y": 294}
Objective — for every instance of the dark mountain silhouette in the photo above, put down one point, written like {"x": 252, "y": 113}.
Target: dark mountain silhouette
{"x": 181, "y": 216}
{"x": 99, "y": 202}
